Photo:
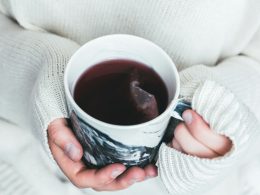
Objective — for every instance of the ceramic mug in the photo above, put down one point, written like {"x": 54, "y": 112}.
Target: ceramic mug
{"x": 103, "y": 143}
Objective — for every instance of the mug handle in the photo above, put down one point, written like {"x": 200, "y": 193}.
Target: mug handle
{"x": 176, "y": 117}
{"x": 181, "y": 105}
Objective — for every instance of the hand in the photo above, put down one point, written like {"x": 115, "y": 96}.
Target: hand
{"x": 195, "y": 137}
{"x": 68, "y": 152}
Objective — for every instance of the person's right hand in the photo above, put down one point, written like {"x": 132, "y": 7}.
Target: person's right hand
{"x": 195, "y": 137}
{"x": 68, "y": 152}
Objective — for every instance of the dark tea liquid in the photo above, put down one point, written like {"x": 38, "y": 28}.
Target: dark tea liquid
{"x": 101, "y": 91}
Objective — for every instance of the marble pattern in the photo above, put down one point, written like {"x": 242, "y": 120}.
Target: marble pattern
{"x": 100, "y": 149}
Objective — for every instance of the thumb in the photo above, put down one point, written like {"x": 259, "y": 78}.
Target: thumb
{"x": 61, "y": 135}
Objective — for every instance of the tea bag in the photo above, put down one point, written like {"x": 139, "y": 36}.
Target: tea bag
{"x": 142, "y": 102}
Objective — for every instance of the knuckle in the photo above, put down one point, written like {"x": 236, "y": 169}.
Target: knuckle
{"x": 178, "y": 129}
{"x": 197, "y": 123}
{"x": 198, "y": 130}
{"x": 98, "y": 189}
{"x": 189, "y": 150}
{"x": 107, "y": 181}
{"x": 123, "y": 184}
{"x": 103, "y": 179}
{"x": 53, "y": 133}
{"x": 195, "y": 132}
{"x": 175, "y": 144}
{"x": 78, "y": 184}
{"x": 134, "y": 169}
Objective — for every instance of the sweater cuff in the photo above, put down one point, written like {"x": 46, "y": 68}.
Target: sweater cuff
{"x": 48, "y": 98}
{"x": 186, "y": 174}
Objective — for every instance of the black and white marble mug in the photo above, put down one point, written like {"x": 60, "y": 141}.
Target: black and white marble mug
{"x": 105, "y": 143}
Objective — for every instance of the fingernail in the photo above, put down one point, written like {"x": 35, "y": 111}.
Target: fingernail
{"x": 187, "y": 117}
{"x": 72, "y": 151}
{"x": 116, "y": 173}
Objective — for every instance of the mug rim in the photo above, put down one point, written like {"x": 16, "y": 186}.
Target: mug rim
{"x": 77, "y": 108}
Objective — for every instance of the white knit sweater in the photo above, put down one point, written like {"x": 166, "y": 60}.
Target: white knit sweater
{"x": 215, "y": 44}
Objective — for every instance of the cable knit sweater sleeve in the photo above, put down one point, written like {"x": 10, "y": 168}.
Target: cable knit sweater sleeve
{"x": 227, "y": 97}
{"x": 31, "y": 77}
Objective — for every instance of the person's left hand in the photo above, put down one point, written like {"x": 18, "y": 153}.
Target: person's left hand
{"x": 195, "y": 137}
{"x": 67, "y": 152}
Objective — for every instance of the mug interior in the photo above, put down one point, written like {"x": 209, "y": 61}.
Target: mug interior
{"x": 132, "y": 48}
{"x": 123, "y": 47}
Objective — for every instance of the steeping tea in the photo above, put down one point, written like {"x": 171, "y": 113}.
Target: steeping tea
{"x": 121, "y": 92}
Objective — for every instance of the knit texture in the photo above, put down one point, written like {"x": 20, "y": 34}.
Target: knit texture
{"x": 34, "y": 64}
{"x": 12, "y": 183}
{"x": 23, "y": 168}
{"x": 183, "y": 174}
{"x": 215, "y": 45}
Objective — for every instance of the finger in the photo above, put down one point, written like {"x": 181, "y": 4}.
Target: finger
{"x": 150, "y": 171}
{"x": 201, "y": 131}
{"x": 81, "y": 176}
{"x": 128, "y": 178}
{"x": 69, "y": 167}
{"x": 60, "y": 134}
{"x": 99, "y": 178}
{"x": 176, "y": 145}
{"x": 131, "y": 176}
{"x": 190, "y": 145}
